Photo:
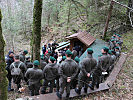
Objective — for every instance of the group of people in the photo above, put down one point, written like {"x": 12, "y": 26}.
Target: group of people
{"x": 69, "y": 73}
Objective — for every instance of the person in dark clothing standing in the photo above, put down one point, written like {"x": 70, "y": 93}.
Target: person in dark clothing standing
{"x": 75, "y": 81}
{"x": 28, "y": 63}
{"x": 34, "y": 75}
{"x": 44, "y": 49}
{"x": 74, "y": 53}
{"x": 9, "y": 61}
{"x": 17, "y": 69}
{"x": 68, "y": 71}
{"x": 87, "y": 66}
{"x": 42, "y": 62}
{"x": 54, "y": 46}
{"x": 50, "y": 73}
{"x": 104, "y": 61}
{"x": 22, "y": 56}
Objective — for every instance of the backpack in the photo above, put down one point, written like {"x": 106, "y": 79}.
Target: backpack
{"x": 15, "y": 70}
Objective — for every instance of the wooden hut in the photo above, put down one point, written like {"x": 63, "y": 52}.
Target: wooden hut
{"x": 83, "y": 39}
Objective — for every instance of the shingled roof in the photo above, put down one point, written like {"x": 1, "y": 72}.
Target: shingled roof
{"x": 84, "y": 37}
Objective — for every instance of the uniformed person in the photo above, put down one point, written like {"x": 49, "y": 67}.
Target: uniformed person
{"x": 75, "y": 81}
{"x": 118, "y": 45}
{"x": 18, "y": 70}
{"x": 113, "y": 59}
{"x": 42, "y": 62}
{"x": 50, "y": 73}
{"x": 68, "y": 71}
{"x": 74, "y": 53}
{"x": 119, "y": 39}
{"x": 87, "y": 66}
{"x": 117, "y": 52}
{"x": 96, "y": 79}
{"x": 28, "y": 63}
{"x": 112, "y": 44}
{"x": 22, "y": 56}
{"x": 34, "y": 75}
{"x": 104, "y": 60}
{"x": 114, "y": 36}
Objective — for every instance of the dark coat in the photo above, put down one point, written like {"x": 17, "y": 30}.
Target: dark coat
{"x": 68, "y": 68}
{"x": 87, "y": 65}
{"x": 50, "y": 71}
{"x": 34, "y": 75}
{"x": 9, "y": 61}
{"x": 22, "y": 57}
{"x": 104, "y": 62}
{"x": 42, "y": 64}
{"x": 22, "y": 67}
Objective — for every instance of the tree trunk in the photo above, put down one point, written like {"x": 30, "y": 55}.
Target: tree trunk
{"x": 3, "y": 80}
{"x": 68, "y": 18}
{"x": 108, "y": 19}
{"x": 37, "y": 13}
{"x": 130, "y": 4}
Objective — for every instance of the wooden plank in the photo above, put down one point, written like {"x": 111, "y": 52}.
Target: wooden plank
{"x": 52, "y": 96}
{"x": 113, "y": 75}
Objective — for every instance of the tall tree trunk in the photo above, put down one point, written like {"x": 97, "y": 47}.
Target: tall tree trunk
{"x": 130, "y": 4}
{"x": 37, "y": 13}
{"x": 3, "y": 80}
{"x": 68, "y": 18}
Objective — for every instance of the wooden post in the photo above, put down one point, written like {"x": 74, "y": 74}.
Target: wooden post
{"x": 108, "y": 19}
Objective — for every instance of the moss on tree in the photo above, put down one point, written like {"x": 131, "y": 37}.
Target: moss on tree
{"x": 3, "y": 80}
{"x": 37, "y": 13}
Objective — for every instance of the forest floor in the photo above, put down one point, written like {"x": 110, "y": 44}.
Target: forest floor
{"x": 123, "y": 86}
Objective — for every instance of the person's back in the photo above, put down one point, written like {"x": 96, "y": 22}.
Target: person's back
{"x": 20, "y": 65}
{"x": 68, "y": 68}
{"x": 67, "y": 71}
{"x": 103, "y": 62}
{"x": 17, "y": 69}
{"x": 51, "y": 71}
{"x": 88, "y": 64}
{"x": 74, "y": 54}
{"x": 22, "y": 55}
{"x": 42, "y": 64}
{"x": 34, "y": 75}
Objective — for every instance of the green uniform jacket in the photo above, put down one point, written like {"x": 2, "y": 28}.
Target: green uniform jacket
{"x": 50, "y": 71}
{"x": 104, "y": 62}
{"x": 68, "y": 68}
{"x": 87, "y": 65}
{"x": 34, "y": 75}
{"x": 22, "y": 57}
